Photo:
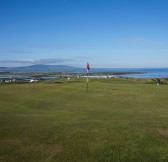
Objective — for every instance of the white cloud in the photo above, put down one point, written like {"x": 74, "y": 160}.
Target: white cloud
{"x": 36, "y": 61}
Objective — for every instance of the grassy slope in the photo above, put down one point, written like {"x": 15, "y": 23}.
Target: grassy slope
{"x": 118, "y": 120}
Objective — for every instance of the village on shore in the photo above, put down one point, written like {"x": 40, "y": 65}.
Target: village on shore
{"x": 35, "y": 77}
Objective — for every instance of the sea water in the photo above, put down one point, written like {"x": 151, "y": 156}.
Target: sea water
{"x": 145, "y": 72}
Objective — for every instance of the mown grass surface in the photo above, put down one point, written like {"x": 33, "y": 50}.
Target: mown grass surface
{"x": 118, "y": 120}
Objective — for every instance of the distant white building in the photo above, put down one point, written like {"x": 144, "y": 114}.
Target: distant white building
{"x": 100, "y": 76}
{"x": 33, "y": 80}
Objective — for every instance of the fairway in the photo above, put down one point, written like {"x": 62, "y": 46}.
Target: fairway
{"x": 118, "y": 120}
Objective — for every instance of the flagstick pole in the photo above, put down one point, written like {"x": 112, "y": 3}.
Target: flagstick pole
{"x": 87, "y": 82}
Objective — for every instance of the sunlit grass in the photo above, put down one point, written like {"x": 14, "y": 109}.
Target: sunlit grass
{"x": 122, "y": 120}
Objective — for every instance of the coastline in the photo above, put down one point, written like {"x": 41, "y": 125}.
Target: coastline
{"x": 119, "y": 72}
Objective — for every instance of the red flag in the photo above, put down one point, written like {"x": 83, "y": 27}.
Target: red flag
{"x": 88, "y": 66}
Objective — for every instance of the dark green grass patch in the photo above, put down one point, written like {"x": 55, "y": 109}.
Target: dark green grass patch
{"x": 118, "y": 120}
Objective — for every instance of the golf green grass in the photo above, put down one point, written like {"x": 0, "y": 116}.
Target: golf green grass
{"x": 118, "y": 120}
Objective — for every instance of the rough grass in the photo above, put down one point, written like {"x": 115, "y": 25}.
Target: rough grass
{"x": 118, "y": 120}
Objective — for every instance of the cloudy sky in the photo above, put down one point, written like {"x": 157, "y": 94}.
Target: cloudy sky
{"x": 105, "y": 33}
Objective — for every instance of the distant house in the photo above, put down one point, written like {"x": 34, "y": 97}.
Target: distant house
{"x": 33, "y": 80}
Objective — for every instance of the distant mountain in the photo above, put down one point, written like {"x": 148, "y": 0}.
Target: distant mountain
{"x": 42, "y": 68}
{"x": 63, "y": 68}
{"x": 3, "y": 68}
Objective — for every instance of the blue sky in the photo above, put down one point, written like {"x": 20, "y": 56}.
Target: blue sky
{"x": 105, "y": 33}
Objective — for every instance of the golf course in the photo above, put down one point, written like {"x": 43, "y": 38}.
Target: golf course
{"x": 117, "y": 120}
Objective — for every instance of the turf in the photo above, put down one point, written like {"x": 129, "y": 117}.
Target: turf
{"x": 118, "y": 120}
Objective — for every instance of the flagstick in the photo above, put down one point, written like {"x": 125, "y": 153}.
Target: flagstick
{"x": 87, "y": 68}
{"x": 87, "y": 82}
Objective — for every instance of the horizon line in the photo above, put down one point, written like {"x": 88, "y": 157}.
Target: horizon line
{"x": 85, "y": 67}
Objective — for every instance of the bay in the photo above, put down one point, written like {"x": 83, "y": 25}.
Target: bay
{"x": 137, "y": 73}
{"x": 148, "y": 73}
